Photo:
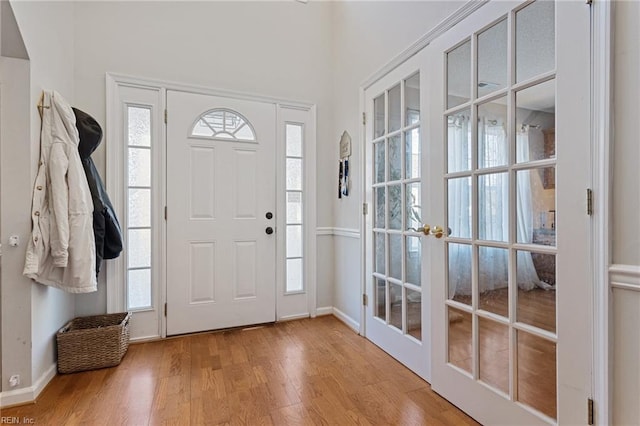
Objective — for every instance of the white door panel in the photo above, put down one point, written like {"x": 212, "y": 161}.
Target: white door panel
{"x": 221, "y": 262}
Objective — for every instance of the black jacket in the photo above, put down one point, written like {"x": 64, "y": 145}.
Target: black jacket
{"x": 106, "y": 228}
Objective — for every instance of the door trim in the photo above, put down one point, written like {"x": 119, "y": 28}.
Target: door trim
{"x": 602, "y": 14}
{"x": 115, "y": 296}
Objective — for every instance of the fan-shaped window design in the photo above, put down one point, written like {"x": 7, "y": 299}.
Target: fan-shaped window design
{"x": 223, "y": 124}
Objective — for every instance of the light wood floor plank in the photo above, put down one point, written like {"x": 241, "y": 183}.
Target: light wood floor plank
{"x": 307, "y": 372}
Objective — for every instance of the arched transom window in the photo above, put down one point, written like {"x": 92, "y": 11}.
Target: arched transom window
{"x": 223, "y": 123}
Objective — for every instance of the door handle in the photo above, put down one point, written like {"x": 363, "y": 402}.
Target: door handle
{"x": 269, "y": 215}
{"x": 269, "y": 230}
{"x": 436, "y": 231}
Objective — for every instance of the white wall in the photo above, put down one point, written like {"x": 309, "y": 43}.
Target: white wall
{"x": 280, "y": 49}
{"x": 47, "y": 30}
{"x": 367, "y": 35}
{"x": 626, "y": 219}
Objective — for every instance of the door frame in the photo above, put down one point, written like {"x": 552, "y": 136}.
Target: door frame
{"x": 115, "y": 290}
{"x": 601, "y": 127}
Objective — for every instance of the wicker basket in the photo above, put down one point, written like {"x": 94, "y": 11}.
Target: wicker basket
{"x": 93, "y": 342}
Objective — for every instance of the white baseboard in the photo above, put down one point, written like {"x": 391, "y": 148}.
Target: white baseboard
{"x": 28, "y": 394}
{"x": 326, "y": 310}
{"x": 350, "y": 322}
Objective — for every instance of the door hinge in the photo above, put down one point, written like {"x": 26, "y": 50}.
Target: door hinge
{"x": 364, "y": 118}
{"x": 165, "y": 116}
{"x": 365, "y": 209}
{"x": 165, "y": 309}
{"x": 590, "y": 412}
{"x": 365, "y": 300}
{"x": 165, "y": 212}
{"x": 589, "y": 201}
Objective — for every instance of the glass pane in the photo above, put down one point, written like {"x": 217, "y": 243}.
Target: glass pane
{"x": 493, "y": 207}
{"x": 139, "y": 288}
{"x": 536, "y": 207}
{"x": 245, "y": 133}
{"x": 395, "y": 256}
{"x": 492, "y": 134}
{"x": 459, "y": 141}
{"x": 413, "y": 193}
{"x": 139, "y": 121}
{"x": 414, "y": 313}
{"x": 460, "y": 345}
{"x": 380, "y": 252}
{"x": 294, "y": 275}
{"x": 493, "y": 280}
{"x": 294, "y": 174}
{"x": 380, "y": 208}
{"x": 379, "y": 174}
{"x": 395, "y": 306}
{"x": 395, "y": 158}
{"x": 225, "y": 124}
{"x": 536, "y": 373}
{"x": 459, "y": 75}
{"x": 492, "y": 59}
{"x": 394, "y": 109}
{"x": 536, "y": 298}
{"x": 139, "y": 207}
{"x": 294, "y": 240}
{"x": 536, "y": 122}
{"x": 412, "y": 99}
{"x": 294, "y": 140}
{"x": 395, "y": 207}
{"x": 378, "y": 114}
{"x": 535, "y": 40}
{"x": 459, "y": 278}
{"x": 139, "y": 247}
{"x": 494, "y": 353}
{"x": 294, "y": 207}
{"x": 139, "y": 167}
{"x": 414, "y": 260}
{"x": 412, "y": 158}
{"x": 381, "y": 299}
{"x": 459, "y": 204}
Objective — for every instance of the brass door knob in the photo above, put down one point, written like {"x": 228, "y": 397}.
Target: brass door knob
{"x": 425, "y": 229}
{"x": 437, "y": 231}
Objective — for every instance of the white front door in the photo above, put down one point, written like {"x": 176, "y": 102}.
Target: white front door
{"x": 397, "y": 315}
{"x": 221, "y": 198}
{"x": 510, "y": 160}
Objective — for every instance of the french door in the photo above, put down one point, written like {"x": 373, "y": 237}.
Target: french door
{"x": 221, "y": 198}
{"x": 508, "y": 166}
{"x": 397, "y": 317}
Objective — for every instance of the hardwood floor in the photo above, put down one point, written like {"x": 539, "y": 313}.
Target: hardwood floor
{"x": 307, "y": 372}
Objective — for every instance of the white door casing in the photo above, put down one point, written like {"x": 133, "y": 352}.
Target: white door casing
{"x": 220, "y": 260}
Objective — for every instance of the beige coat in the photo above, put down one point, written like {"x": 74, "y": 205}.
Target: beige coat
{"x": 61, "y": 251}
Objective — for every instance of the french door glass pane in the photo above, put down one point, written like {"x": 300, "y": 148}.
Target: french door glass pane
{"x": 379, "y": 164}
{"x": 414, "y": 313}
{"x": 459, "y": 273}
{"x": 380, "y": 253}
{"x": 458, "y": 73}
{"x": 494, "y": 353}
{"x": 535, "y": 40}
{"x": 395, "y": 158}
{"x": 380, "y": 207}
{"x": 412, "y": 149}
{"x": 459, "y": 141}
{"x": 492, "y": 134}
{"x": 381, "y": 299}
{"x": 492, "y": 59}
{"x": 493, "y": 207}
{"x": 536, "y": 373}
{"x": 493, "y": 280}
{"x": 536, "y": 209}
{"x": 394, "y": 109}
{"x": 412, "y": 100}
{"x": 395, "y": 207}
{"x": 413, "y": 255}
{"x": 395, "y": 306}
{"x": 378, "y": 117}
{"x": 460, "y": 341}
{"x": 459, "y": 208}
{"x": 536, "y": 304}
{"x": 395, "y": 256}
{"x": 536, "y": 122}
{"x": 413, "y": 219}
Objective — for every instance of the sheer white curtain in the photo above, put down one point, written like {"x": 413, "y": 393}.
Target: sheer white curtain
{"x": 493, "y": 208}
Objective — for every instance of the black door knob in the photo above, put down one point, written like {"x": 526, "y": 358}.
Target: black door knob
{"x": 269, "y": 230}
{"x": 269, "y": 215}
